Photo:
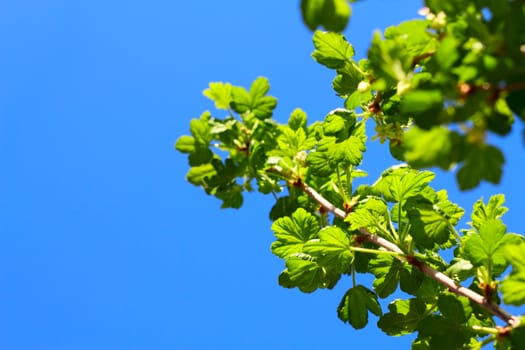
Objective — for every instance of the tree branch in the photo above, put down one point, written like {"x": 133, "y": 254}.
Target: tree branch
{"x": 440, "y": 277}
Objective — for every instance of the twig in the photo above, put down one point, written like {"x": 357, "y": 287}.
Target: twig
{"x": 440, "y": 277}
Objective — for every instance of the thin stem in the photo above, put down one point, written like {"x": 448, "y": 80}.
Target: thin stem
{"x": 486, "y": 330}
{"x": 400, "y": 223}
{"x": 364, "y": 115}
{"x": 340, "y": 184}
{"x": 422, "y": 266}
{"x": 419, "y": 58}
{"x": 349, "y": 170}
{"x": 456, "y": 235}
{"x": 394, "y": 233}
{"x": 353, "y": 275}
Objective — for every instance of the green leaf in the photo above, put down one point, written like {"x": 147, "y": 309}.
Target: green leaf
{"x": 429, "y": 226}
{"x": 437, "y": 146}
{"x": 413, "y": 34}
{"x": 333, "y": 124}
{"x": 220, "y": 126}
{"x": 482, "y": 162}
{"x": 291, "y": 141}
{"x": 489, "y": 245}
{"x": 447, "y": 53}
{"x": 197, "y": 174}
{"x": 403, "y": 316}
{"x": 443, "y": 334}
{"x": 451, "y": 211}
{"x": 349, "y": 151}
{"x": 319, "y": 163}
{"x": 386, "y": 269}
{"x": 220, "y": 93}
{"x": 231, "y": 198}
{"x": 331, "y": 49}
{"x": 330, "y": 154}
{"x": 410, "y": 279}
{"x": 355, "y": 99}
{"x": 297, "y": 119}
{"x": 517, "y": 337}
{"x": 424, "y": 106}
{"x": 333, "y": 15}
{"x": 389, "y": 60}
{"x": 513, "y": 286}
{"x": 241, "y": 100}
{"x": 370, "y": 213}
{"x": 262, "y": 105}
{"x": 303, "y": 272}
{"x": 225, "y": 175}
{"x": 493, "y": 210}
{"x": 285, "y": 206}
{"x": 331, "y": 249}
{"x": 200, "y": 129}
{"x": 398, "y": 183}
{"x": 293, "y": 232}
{"x": 460, "y": 269}
{"x": 356, "y": 304}
{"x": 255, "y": 101}
{"x": 455, "y": 309}
{"x": 200, "y": 155}
{"x": 516, "y": 102}
{"x": 185, "y": 144}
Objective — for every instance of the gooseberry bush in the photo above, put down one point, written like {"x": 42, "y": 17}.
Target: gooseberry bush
{"x": 434, "y": 89}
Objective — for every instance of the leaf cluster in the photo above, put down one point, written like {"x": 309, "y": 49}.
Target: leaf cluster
{"x": 434, "y": 88}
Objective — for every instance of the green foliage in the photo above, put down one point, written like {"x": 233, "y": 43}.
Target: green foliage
{"x": 435, "y": 89}
{"x": 333, "y": 15}
{"x": 356, "y": 304}
{"x": 293, "y": 232}
{"x": 403, "y": 316}
{"x": 513, "y": 287}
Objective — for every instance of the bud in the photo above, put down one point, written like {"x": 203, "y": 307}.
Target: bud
{"x": 439, "y": 21}
{"x": 363, "y": 86}
{"x": 301, "y": 156}
{"x": 402, "y": 87}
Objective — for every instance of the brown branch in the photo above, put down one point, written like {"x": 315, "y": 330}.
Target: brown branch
{"x": 419, "y": 58}
{"x": 440, "y": 277}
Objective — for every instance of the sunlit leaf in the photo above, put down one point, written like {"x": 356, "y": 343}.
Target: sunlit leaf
{"x": 513, "y": 286}
{"x": 331, "y": 49}
{"x": 292, "y": 232}
{"x": 332, "y": 249}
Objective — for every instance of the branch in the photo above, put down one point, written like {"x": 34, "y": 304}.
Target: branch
{"x": 440, "y": 277}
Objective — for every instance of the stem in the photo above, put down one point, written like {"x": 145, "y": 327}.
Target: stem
{"x": 423, "y": 267}
{"x": 487, "y": 341}
{"x": 353, "y": 275}
{"x": 374, "y": 251}
{"x": 456, "y": 235}
{"x": 400, "y": 224}
{"x": 349, "y": 170}
{"x": 340, "y": 184}
{"x": 419, "y": 58}
{"x": 487, "y": 330}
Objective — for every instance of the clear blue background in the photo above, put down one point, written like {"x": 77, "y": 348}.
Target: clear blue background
{"x": 103, "y": 245}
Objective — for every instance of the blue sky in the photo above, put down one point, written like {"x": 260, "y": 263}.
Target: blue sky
{"x": 103, "y": 245}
